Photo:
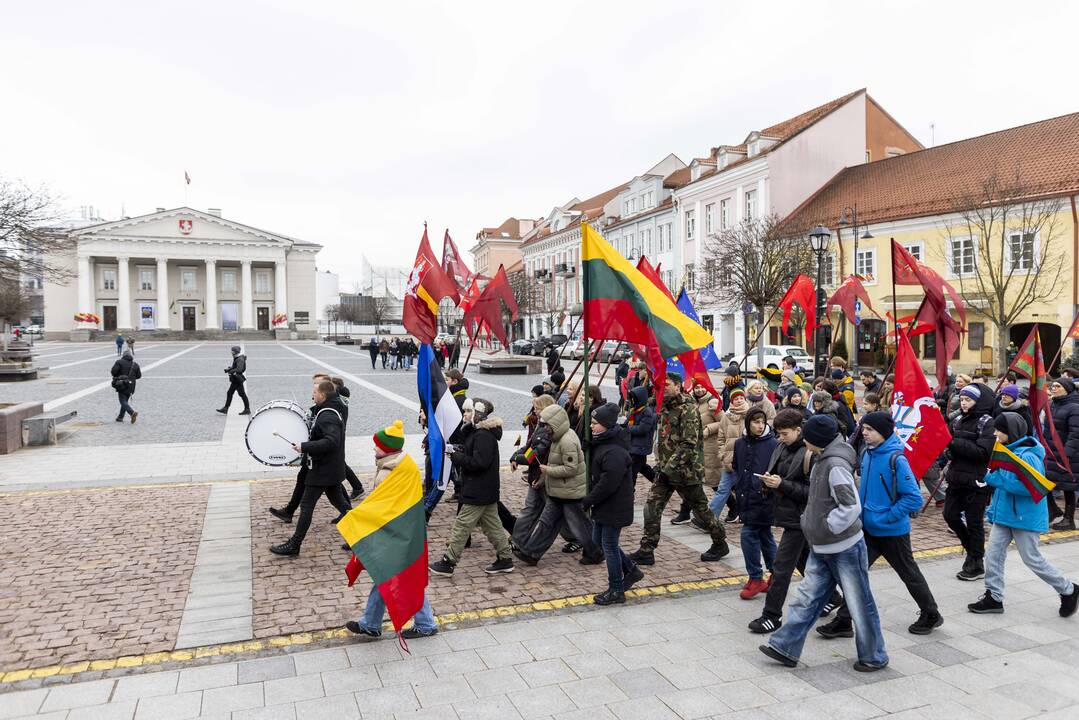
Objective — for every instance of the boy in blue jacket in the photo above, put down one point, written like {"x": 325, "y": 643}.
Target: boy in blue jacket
{"x": 889, "y": 493}
{"x": 1016, "y": 516}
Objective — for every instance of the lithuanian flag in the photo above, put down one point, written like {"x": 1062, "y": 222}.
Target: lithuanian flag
{"x": 622, "y": 304}
{"x": 388, "y": 535}
{"x": 1036, "y": 484}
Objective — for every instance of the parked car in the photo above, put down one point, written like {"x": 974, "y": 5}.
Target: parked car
{"x": 35, "y": 330}
{"x": 558, "y": 339}
{"x": 522, "y": 347}
{"x": 773, "y": 355}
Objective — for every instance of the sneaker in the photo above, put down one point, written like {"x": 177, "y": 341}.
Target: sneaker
{"x": 867, "y": 668}
{"x": 500, "y": 565}
{"x": 356, "y": 629}
{"x": 939, "y": 503}
{"x": 778, "y": 656}
{"x": 718, "y": 551}
{"x": 643, "y": 557}
{"x": 223, "y": 411}
{"x": 1061, "y": 524}
{"x": 135, "y": 416}
{"x": 1069, "y": 602}
{"x": 753, "y": 588}
{"x": 986, "y": 605}
{"x": 526, "y": 559}
{"x": 412, "y": 633}
{"x": 609, "y": 597}
{"x": 680, "y": 519}
{"x": 829, "y": 608}
{"x": 245, "y": 411}
{"x": 443, "y": 567}
{"x": 764, "y": 624}
{"x": 632, "y": 579}
{"x": 358, "y": 492}
{"x": 837, "y": 628}
{"x": 975, "y": 571}
{"x": 286, "y": 548}
{"x": 571, "y": 547}
{"x": 926, "y": 623}
{"x": 281, "y": 515}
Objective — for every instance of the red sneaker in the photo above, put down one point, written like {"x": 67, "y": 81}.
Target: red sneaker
{"x": 753, "y": 588}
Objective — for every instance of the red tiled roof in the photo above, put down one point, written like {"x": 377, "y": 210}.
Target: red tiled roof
{"x": 1045, "y": 155}
{"x": 589, "y": 209}
{"x": 677, "y": 179}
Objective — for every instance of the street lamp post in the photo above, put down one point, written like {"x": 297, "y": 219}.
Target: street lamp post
{"x": 818, "y": 240}
{"x": 849, "y": 216}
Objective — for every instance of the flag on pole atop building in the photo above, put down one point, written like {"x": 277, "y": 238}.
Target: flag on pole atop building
{"x": 427, "y": 285}
{"x": 187, "y": 178}
{"x": 441, "y": 410}
{"x": 918, "y": 421}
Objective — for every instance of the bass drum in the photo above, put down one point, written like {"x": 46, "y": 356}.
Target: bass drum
{"x": 272, "y": 430}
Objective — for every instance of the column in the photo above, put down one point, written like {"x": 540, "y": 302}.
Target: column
{"x": 123, "y": 292}
{"x": 211, "y": 295}
{"x": 86, "y": 286}
{"x": 247, "y": 320}
{"x": 280, "y": 288}
{"x": 162, "y": 321}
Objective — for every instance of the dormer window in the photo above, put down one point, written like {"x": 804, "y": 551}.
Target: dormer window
{"x": 724, "y": 160}
{"x": 754, "y": 148}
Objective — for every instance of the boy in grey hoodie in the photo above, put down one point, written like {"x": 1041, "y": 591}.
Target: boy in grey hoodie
{"x": 832, "y": 525}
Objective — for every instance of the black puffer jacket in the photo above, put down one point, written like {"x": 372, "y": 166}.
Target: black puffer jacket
{"x": 972, "y": 444}
{"x": 641, "y": 425}
{"x": 476, "y": 457}
{"x": 238, "y": 368}
{"x": 1065, "y": 414}
{"x": 610, "y": 477}
{"x": 326, "y": 448}
{"x": 127, "y": 368}
{"x": 751, "y": 455}
{"x": 788, "y": 461}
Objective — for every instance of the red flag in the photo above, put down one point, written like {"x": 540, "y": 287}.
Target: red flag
{"x": 1073, "y": 332}
{"x": 469, "y": 297}
{"x": 918, "y": 421}
{"x": 486, "y": 311}
{"x": 845, "y": 295}
{"x": 1029, "y": 363}
{"x": 427, "y": 285}
{"x": 802, "y": 293}
{"x": 453, "y": 265}
{"x": 692, "y": 362}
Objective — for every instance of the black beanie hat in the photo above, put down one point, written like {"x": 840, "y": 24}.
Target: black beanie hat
{"x": 537, "y": 390}
{"x": 1011, "y": 423}
{"x": 880, "y": 421}
{"x": 820, "y": 430}
{"x": 606, "y": 415}
{"x": 1066, "y": 383}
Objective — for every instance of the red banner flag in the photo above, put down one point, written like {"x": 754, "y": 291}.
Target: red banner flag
{"x": 1073, "y": 332}
{"x": 802, "y": 293}
{"x": 453, "y": 265}
{"x": 427, "y": 285}
{"x": 469, "y": 296}
{"x": 844, "y": 297}
{"x": 1030, "y": 364}
{"x": 486, "y": 311}
{"x": 918, "y": 421}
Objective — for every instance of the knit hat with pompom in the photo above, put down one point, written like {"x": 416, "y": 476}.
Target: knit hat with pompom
{"x": 390, "y": 439}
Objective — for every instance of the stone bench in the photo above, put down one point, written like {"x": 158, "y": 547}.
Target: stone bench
{"x": 12, "y": 372}
{"x": 41, "y": 429}
{"x": 519, "y": 365}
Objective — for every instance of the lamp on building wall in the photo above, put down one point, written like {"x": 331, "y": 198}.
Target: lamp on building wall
{"x": 818, "y": 240}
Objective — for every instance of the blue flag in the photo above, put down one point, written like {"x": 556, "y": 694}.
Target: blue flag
{"x": 708, "y": 352}
{"x": 443, "y": 415}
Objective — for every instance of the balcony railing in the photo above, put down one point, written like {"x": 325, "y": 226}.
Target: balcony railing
{"x": 543, "y": 275}
{"x": 565, "y": 270}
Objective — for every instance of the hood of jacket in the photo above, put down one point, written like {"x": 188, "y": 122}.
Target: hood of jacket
{"x": 638, "y": 396}
{"x": 827, "y": 402}
{"x": 493, "y": 424}
{"x": 459, "y": 387}
{"x": 556, "y": 417}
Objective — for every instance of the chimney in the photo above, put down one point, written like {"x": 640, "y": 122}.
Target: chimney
{"x": 216, "y": 212}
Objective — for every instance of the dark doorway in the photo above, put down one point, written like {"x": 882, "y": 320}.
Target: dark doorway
{"x": 1049, "y": 334}
{"x": 871, "y": 342}
{"x": 263, "y": 318}
{"x": 109, "y": 317}
{"x": 189, "y": 318}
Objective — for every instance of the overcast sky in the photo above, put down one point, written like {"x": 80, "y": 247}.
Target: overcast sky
{"x": 350, "y": 124}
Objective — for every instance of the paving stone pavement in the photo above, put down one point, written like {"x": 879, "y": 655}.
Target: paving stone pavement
{"x": 675, "y": 657}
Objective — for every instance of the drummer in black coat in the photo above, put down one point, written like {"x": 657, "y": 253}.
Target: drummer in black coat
{"x": 610, "y": 501}
{"x": 325, "y": 452}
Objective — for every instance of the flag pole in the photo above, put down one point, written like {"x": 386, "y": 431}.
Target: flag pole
{"x": 753, "y": 345}
{"x": 585, "y": 411}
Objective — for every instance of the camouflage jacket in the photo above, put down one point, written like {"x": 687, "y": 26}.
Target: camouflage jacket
{"x": 680, "y": 446}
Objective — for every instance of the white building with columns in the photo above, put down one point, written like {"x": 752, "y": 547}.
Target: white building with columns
{"x": 186, "y": 271}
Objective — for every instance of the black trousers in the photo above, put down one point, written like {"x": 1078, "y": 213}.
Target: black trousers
{"x": 793, "y": 551}
{"x": 641, "y": 466}
{"x": 896, "y": 550}
{"x": 301, "y": 485}
{"x": 966, "y": 502}
{"x": 237, "y": 388}
{"x": 336, "y": 495}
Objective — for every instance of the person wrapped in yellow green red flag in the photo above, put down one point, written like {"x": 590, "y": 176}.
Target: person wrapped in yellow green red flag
{"x": 387, "y": 533}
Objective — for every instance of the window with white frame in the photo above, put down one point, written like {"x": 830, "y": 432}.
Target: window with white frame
{"x": 188, "y": 281}
{"x": 632, "y": 205}
{"x": 865, "y": 264}
{"x": 690, "y": 275}
{"x": 651, "y": 199}
{"x": 691, "y": 225}
{"x": 108, "y": 279}
{"x": 709, "y": 218}
{"x": 629, "y": 243}
{"x": 916, "y": 250}
{"x": 228, "y": 281}
{"x": 262, "y": 282}
{"x": 1020, "y": 250}
{"x": 647, "y": 241}
{"x": 751, "y": 204}
{"x": 724, "y": 213}
{"x": 146, "y": 279}
{"x": 709, "y": 274}
{"x": 625, "y": 207}
{"x": 961, "y": 253}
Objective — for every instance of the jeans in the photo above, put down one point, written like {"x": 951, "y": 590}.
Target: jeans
{"x": 851, "y": 570}
{"x": 556, "y": 513}
{"x": 424, "y": 620}
{"x": 124, "y": 407}
{"x": 726, "y": 484}
{"x": 311, "y": 494}
{"x": 792, "y": 553}
{"x": 1026, "y": 542}
{"x": 961, "y": 502}
{"x": 618, "y": 563}
{"x": 758, "y": 540}
{"x": 530, "y": 514}
{"x": 896, "y": 550}
{"x": 374, "y": 355}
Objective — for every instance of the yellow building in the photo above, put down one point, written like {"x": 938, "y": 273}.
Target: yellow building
{"x": 994, "y": 215}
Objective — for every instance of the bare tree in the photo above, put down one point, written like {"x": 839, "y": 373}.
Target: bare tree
{"x": 28, "y": 247}
{"x": 14, "y": 301}
{"x": 379, "y": 309}
{"x": 753, "y": 262}
{"x": 1004, "y": 252}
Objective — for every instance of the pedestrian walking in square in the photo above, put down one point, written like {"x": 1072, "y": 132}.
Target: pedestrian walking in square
{"x": 967, "y": 493}
{"x": 752, "y": 453}
{"x": 641, "y": 426}
{"x": 832, "y": 524}
{"x": 119, "y": 344}
{"x": 889, "y": 494}
{"x": 1017, "y": 517}
{"x": 125, "y": 372}
{"x": 237, "y": 378}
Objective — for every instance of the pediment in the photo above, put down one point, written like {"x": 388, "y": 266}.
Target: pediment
{"x": 182, "y": 224}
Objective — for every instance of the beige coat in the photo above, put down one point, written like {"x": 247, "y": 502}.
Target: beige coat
{"x": 567, "y": 474}
{"x": 706, "y": 408}
{"x": 731, "y": 428}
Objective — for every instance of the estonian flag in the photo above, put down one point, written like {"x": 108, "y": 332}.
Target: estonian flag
{"x": 443, "y": 415}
